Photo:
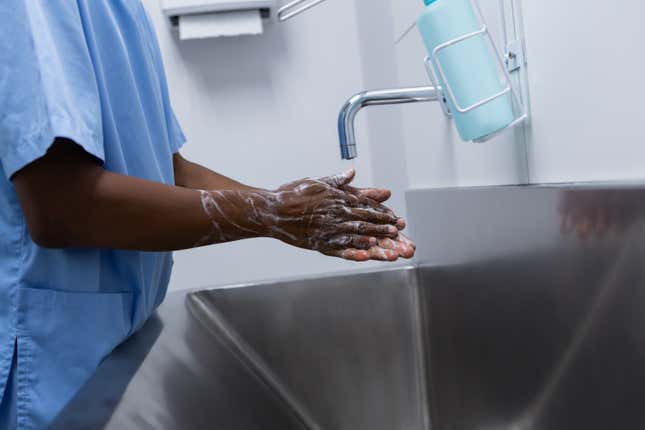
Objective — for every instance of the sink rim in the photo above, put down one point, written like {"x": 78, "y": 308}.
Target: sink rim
{"x": 311, "y": 277}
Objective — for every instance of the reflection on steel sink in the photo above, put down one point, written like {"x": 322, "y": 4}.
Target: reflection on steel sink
{"x": 341, "y": 352}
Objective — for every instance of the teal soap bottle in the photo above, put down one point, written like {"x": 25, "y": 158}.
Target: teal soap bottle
{"x": 469, "y": 66}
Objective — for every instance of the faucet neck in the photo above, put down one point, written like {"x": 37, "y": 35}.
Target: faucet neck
{"x": 347, "y": 116}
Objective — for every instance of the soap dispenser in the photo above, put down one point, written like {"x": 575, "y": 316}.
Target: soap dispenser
{"x": 466, "y": 68}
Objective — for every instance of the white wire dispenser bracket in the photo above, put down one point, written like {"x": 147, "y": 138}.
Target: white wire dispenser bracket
{"x": 514, "y": 61}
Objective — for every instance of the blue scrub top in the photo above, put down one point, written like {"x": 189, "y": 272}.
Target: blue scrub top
{"x": 89, "y": 71}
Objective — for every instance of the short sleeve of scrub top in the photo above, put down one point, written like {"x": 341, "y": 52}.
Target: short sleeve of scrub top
{"x": 52, "y": 88}
{"x": 89, "y": 71}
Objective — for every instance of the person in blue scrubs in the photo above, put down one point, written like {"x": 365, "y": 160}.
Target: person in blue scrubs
{"x": 94, "y": 196}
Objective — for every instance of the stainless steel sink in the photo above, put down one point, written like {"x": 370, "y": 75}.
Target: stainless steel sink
{"x": 509, "y": 322}
{"x": 342, "y": 352}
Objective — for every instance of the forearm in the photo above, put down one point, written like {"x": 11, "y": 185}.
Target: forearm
{"x": 134, "y": 214}
{"x": 71, "y": 201}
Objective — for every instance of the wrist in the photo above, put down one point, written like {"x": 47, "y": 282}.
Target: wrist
{"x": 263, "y": 206}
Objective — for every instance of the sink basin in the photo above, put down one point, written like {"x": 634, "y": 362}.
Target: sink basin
{"x": 509, "y": 322}
{"x": 493, "y": 345}
{"x": 342, "y": 352}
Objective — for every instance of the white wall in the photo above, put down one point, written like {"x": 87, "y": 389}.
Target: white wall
{"x": 587, "y": 76}
{"x": 586, "y": 82}
{"x": 263, "y": 110}
{"x": 384, "y": 134}
{"x": 586, "y": 96}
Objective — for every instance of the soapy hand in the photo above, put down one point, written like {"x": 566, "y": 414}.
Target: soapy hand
{"x": 339, "y": 220}
{"x": 324, "y": 214}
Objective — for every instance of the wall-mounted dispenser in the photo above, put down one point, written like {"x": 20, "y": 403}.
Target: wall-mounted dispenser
{"x": 199, "y": 19}
{"x": 471, "y": 78}
{"x": 462, "y": 64}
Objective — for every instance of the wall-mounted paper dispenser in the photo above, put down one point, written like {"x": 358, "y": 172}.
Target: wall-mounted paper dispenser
{"x": 198, "y": 19}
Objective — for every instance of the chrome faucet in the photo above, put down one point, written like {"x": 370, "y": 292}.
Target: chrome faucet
{"x": 346, "y": 132}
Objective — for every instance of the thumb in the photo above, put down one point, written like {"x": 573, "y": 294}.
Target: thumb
{"x": 341, "y": 179}
{"x": 378, "y": 195}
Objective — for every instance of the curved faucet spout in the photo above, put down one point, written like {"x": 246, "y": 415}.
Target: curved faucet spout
{"x": 347, "y": 116}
